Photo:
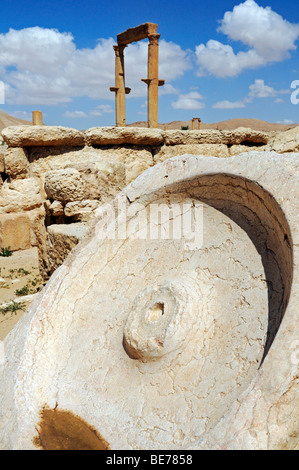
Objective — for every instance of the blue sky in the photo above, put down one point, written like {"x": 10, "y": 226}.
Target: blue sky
{"x": 220, "y": 60}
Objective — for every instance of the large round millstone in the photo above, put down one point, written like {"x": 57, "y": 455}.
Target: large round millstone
{"x": 147, "y": 338}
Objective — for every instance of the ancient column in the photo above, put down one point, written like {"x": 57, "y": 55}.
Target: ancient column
{"x": 198, "y": 123}
{"x": 152, "y": 80}
{"x": 37, "y": 118}
{"x": 120, "y": 89}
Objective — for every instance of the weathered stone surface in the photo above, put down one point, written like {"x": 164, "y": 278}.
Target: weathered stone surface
{"x": 64, "y": 185}
{"x": 20, "y": 195}
{"x": 82, "y": 210}
{"x": 15, "y": 231}
{"x": 211, "y": 150}
{"x": 176, "y": 137}
{"x": 237, "y": 136}
{"x": 123, "y": 136}
{"x": 2, "y": 153}
{"x": 245, "y": 135}
{"x": 45, "y": 159}
{"x": 60, "y": 240}
{"x": 103, "y": 178}
{"x": 27, "y": 136}
{"x": 37, "y": 226}
{"x": 238, "y": 149}
{"x": 201, "y": 336}
{"x": 287, "y": 141}
{"x": 56, "y": 208}
{"x": 135, "y": 160}
{"x": 16, "y": 163}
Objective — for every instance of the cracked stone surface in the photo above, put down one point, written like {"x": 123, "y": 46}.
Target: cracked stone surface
{"x": 165, "y": 343}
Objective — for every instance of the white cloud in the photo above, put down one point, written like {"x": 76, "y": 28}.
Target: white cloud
{"x": 269, "y": 37}
{"x": 262, "y": 29}
{"x": 189, "y": 101}
{"x": 75, "y": 114}
{"x": 44, "y": 66}
{"x": 220, "y": 59}
{"x": 229, "y": 104}
{"x": 24, "y": 115}
{"x": 286, "y": 122}
{"x": 259, "y": 90}
{"x": 102, "y": 109}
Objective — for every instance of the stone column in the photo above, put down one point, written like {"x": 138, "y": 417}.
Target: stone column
{"x": 152, "y": 80}
{"x": 198, "y": 123}
{"x": 120, "y": 89}
{"x": 37, "y": 118}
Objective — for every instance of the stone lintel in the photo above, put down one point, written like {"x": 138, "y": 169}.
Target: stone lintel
{"x": 138, "y": 33}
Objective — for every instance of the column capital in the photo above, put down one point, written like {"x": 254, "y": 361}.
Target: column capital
{"x": 154, "y": 39}
{"x": 118, "y": 49}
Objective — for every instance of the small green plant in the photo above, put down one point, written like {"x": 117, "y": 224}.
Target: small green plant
{"x": 6, "y": 252}
{"x": 185, "y": 128}
{"x": 12, "y": 307}
{"x": 23, "y": 271}
{"x": 23, "y": 291}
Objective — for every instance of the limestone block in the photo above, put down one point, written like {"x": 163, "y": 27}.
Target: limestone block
{"x": 237, "y": 149}
{"x": 176, "y": 137}
{"x": 16, "y": 163}
{"x": 2, "y": 153}
{"x": 45, "y": 159}
{"x": 56, "y": 208}
{"x": 134, "y": 159}
{"x": 287, "y": 141}
{"x": 37, "y": 226}
{"x": 204, "y": 136}
{"x": 82, "y": 210}
{"x": 211, "y": 150}
{"x": 103, "y": 178}
{"x": 247, "y": 135}
{"x": 31, "y": 136}
{"x": 20, "y": 195}
{"x": 60, "y": 240}
{"x": 15, "y": 231}
{"x": 198, "y": 323}
{"x": 123, "y": 136}
{"x": 64, "y": 185}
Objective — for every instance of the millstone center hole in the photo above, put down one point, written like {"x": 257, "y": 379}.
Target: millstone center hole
{"x": 155, "y": 312}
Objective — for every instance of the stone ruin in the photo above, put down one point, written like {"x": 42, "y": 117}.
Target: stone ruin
{"x": 132, "y": 342}
{"x": 144, "y": 31}
{"x": 53, "y": 178}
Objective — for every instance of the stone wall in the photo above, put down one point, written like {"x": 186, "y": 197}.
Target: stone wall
{"x": 57, "y": 175}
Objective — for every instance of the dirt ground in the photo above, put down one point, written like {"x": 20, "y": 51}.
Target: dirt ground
{"x": 19, "y": 281}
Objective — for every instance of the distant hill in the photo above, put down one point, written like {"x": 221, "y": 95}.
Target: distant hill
{"x": 255, "y": 124}
{"x": 6, "y": 121}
